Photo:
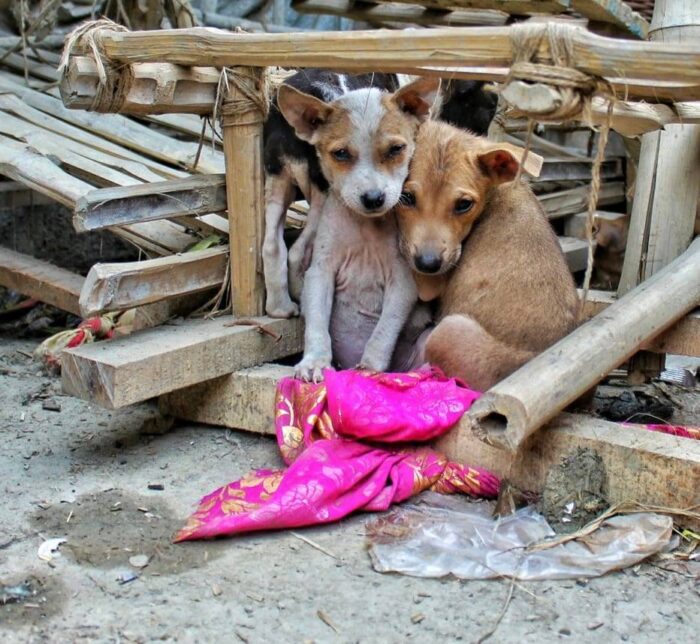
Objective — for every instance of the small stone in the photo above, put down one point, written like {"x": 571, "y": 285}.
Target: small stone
{"x": 139, "y": 561}
{"x": 593, "y": 626}
{"x": 248, "y": 609}
{"x": 156, "y": 486}
{"x": 216, "y": 590}
{"x": 565, "y": 632}
{"x": 50, "y": 405}
{"x": 417, "y": 618}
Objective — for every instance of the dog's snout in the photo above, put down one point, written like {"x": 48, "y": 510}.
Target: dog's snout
{"x": 373, "y": 199}
{"x": 428, "y": 262}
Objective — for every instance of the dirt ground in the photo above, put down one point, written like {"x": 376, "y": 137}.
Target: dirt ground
{"x": 74, "y": 471}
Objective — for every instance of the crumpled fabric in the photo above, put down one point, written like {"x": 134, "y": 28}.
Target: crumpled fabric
{"x": 345, "y": 441}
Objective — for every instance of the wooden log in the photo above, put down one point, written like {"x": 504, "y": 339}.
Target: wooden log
{"x": 397, "y": 12}
{"x": 149, "y": 363}
{"x": 125, "y": 285}
{"x": 667, "y": 182}
{"x": 41, "y": 280}
{"x": 199, "y": 195}
{"x": 639, "y": 463}
{"x": 516, "y": 407}
{"x": 403, "y": 51}
{"x": 683, "y": 338}
{"x": 242, "y": 124}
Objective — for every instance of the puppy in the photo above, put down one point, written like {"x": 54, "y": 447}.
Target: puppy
{"x": 292, "y": 166}
{"x": 467, "y": 105}
{"x": 480, "y": 241}
{"x": 358, "y": 292}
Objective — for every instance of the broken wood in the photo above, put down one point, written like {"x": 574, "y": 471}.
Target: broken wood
{"x": 576, "y": 253}
{"x": 198, "y": 195}
{"x": 41, "y": 280}
{"x": 639, "y": 463}
{"x": 569, "y": 202}
{"x": 516, "y": 407}
{"x": 125, "y": 285}
{"x": 156, "y": 361}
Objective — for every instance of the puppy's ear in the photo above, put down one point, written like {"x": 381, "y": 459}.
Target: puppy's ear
{"x": 305, "y": 113}
{"x": 502, "y": 160}
{"x": 418, "y": 97}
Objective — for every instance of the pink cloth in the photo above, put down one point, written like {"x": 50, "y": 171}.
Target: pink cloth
{"x": 673, "y": 430}
{"x": 330, "y": 476}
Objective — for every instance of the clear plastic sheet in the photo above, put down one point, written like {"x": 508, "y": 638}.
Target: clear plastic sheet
{"x": 441, "y": 535}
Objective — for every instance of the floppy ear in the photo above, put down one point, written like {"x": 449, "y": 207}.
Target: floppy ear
{"x": 501, "y": 162}
{"x": 305, "y": 113}
{"x": 418, "y": 97}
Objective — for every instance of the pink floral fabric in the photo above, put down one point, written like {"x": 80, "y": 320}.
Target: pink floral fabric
{"x": 344, "y": 441}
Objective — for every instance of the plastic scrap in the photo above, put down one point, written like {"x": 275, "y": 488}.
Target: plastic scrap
{"x": 438, "y": 536}
{"x": 49, "y": 549}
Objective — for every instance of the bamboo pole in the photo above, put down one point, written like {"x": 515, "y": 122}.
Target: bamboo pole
{"x": 242, "y": 115}
{"x": 401, "y": 51}
{"x": 667, "y": 182}
{"x": 506, "y": 415}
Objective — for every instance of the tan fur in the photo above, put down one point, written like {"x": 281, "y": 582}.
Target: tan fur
{"x": 511, "y": 294}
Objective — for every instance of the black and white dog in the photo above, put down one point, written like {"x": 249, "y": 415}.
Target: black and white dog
{"x": 292, "y": 170}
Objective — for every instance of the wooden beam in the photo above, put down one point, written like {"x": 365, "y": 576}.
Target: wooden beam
{"x": 639, "y": 463}
{"x": 41, "y": 280}
{"x": 242, "y": 125}
{"x": 683, "y": 338}
{"x": 613, "y": 12}
{"x": 197, "y": 195}
{"x": 156, "y": 361}
{"x": 397, "y": 12}
{"x": 125, "y": 285}
{"x": 403, "y": 51}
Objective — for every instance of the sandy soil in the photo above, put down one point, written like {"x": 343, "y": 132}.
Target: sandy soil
{"x": 83, "y": 474}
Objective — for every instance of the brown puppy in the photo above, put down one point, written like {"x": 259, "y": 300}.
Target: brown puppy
{"x": 480, "y": 241}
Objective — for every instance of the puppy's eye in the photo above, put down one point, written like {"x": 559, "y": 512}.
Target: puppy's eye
{"x": 341, "y": 154}
{"x": 395, "y": 150}
{"x": 463, "y": 206}
{"x": 408, "y": 199}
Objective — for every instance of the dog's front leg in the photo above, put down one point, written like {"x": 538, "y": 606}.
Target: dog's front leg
{"x": 301, "y": 251}
{"x": 400, "y": 297}
{"x": 279, "y": 192}
{"x": 317, "y": 305}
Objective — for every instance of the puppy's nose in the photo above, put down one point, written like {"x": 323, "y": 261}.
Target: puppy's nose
{"x": 428, "y": 262}
{"x": 373, "y": 199}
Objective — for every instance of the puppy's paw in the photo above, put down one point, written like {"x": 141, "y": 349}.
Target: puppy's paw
{"x": 373, "y": 363}
{"x": 281, "y": 307}
{"x": 310, "y": 369}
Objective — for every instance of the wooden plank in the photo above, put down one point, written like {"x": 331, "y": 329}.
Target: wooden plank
{"x": 569, "y": 202}
{"x": 198, "y": 195}
{"x": 683, "y": 338}
{"x": 397, "y": 12}
{"x": 402, "y": 51}
{"x": 41, "y": 280}
{"x": 149, "y": 363}
{"x": 515, "y": 7}
{"x": 639, "y": 463}
{"x": 124, "y": 285}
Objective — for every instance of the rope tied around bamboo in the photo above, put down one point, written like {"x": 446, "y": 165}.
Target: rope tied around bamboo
{"x": 242, "y": 97}
{"x": 114, "y": 81}
{"x": 555, "y": 92}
